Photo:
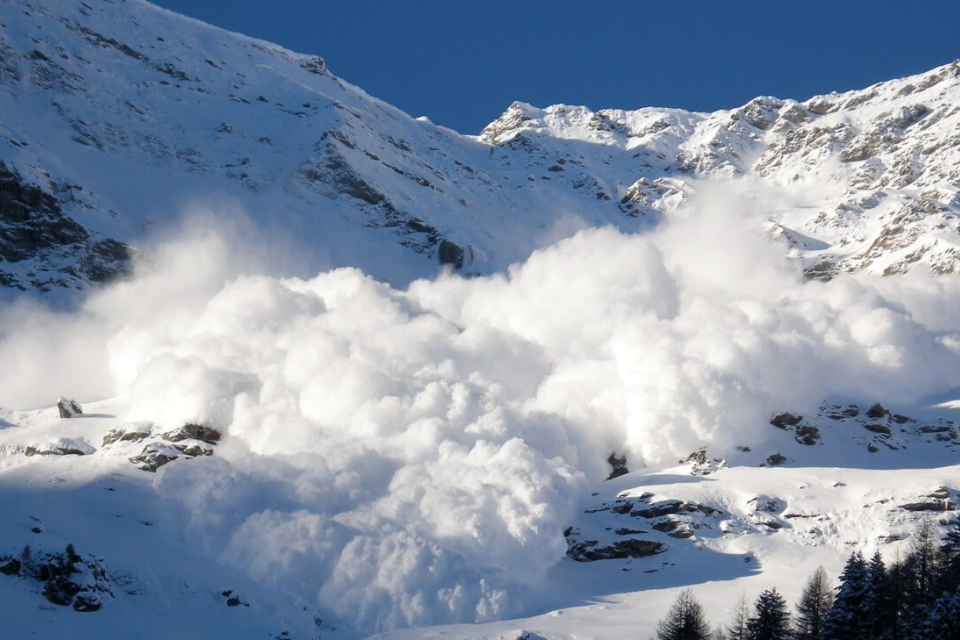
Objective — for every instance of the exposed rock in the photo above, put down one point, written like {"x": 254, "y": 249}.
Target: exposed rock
{"x": 193, "y": 432}
{"x": 233, "y": 599}
{"x": 776, "y": 459}
{"x": 618, "y": 466}
{"x": 672, "y": 507}
{"x": 128, "y": 433}
{"x": 808, "y": 435}
{"x": 68, "y": 408}
{"x": 935, "y": 429}
{"x": 877, "y": 411}
{"x": 766, "y": 504}
{"x": 87, "y": 602}
{"x": 60, "y": 447}
{"x": 786, "y": 419}
{"x": 930, "y": 505}
{"x": 154, "y": 456}
{"x": 591, "y": 551}
{"x": 315, "y": 65}
{"x": 625, "y": 531}
{"x": 882, "y": 429}
{"x": 450, "y": 253}
{"x": 194, "y": 450}
{"x": 68, "y": 579}
{"x": 10, "y": 568}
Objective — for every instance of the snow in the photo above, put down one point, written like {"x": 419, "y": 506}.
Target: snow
{"x": 411, "y": 457}
{"x": 407, "y": 446}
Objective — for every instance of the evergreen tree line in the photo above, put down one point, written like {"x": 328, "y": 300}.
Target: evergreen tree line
{"x": 916, "y": 597}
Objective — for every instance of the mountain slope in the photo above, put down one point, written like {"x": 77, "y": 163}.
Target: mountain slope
{"x": 360, "y": 451}
{"x": 118, "y": 118}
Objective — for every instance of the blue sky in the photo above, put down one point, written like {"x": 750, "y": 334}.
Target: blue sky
{"x": 461, "y": 63}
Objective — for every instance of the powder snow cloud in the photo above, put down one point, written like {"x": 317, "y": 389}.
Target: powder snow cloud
{"x": 407, "y": 457}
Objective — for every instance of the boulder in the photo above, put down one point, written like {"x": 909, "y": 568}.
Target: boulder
{"x": 618, "y": 466}
{"x": 68, "y": 408}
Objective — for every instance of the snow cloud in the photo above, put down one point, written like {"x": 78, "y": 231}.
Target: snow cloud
{"x": 407, "y": 457}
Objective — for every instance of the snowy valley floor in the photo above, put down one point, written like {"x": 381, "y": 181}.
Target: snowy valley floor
{"x": 724, "y": 527}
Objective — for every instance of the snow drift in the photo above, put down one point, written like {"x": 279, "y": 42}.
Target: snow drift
{"x": 408, "y": 457}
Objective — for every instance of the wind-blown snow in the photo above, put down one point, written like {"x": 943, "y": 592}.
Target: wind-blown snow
{"x": 409, "y": 457}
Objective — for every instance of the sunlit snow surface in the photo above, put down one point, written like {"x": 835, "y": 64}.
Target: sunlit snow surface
{"x": 412, "y": 454}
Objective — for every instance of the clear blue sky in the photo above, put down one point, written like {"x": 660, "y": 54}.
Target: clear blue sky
{"x": 461, "y": 62}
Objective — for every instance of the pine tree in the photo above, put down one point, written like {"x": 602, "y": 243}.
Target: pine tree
{"x": 900, "y": 576}
{"x": 878, "y": 611}
{"x": 772, "y": 620}
{"x": 950, "y": 557}
{"x": 941, "y": 618}
{"x": 814, "y": 605}
{"x": 685, "y": 620}
{"x": 846, "y": 618}
{"x": 737, "y": 630}
{"x": 923, "y": 557}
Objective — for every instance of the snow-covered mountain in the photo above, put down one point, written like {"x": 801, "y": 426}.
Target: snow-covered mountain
{"x": 118, "y": 117}
{"x": 652, "y": 359}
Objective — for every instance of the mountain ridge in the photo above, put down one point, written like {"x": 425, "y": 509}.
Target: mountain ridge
{"x": 118, "y": 110}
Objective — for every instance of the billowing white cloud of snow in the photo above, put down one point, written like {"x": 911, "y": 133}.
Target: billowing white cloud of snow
{"x": 413, "y": 457}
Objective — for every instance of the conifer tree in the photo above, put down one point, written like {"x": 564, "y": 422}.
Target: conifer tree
{"x": 950, "y": 558}
{"x": 771, "y": 620}
{"x": 685, "y": 620}
{"x": 846, "y": 618}
{"x": 737, "y": 629}
{"x": 923, "y": 557}
{"x": 814, "y": 605}
{"x": 941, "y": 619}
{"x": 878, "y": 611}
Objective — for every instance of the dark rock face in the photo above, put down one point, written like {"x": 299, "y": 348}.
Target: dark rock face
{"x": 776, "y": 459}
{"x": 672, "y": 507}
{"x": 31, "y": 219}
{"x": 33, "y": 225}
{"x": 233, "y": 598}
{"x": 618, "y": 466}
{"x": 877, "y": 411}
{"x": 808, "y": 435}
{"x": 450, "y": 253}
{"x": 882, "y": 429}
{"x": 591, "y": 551}
{"x": 11, "y": 567}
{"x": 68, "y": 579}
{"x": 786, "y": 419}
{"x": 103, "y": 261}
